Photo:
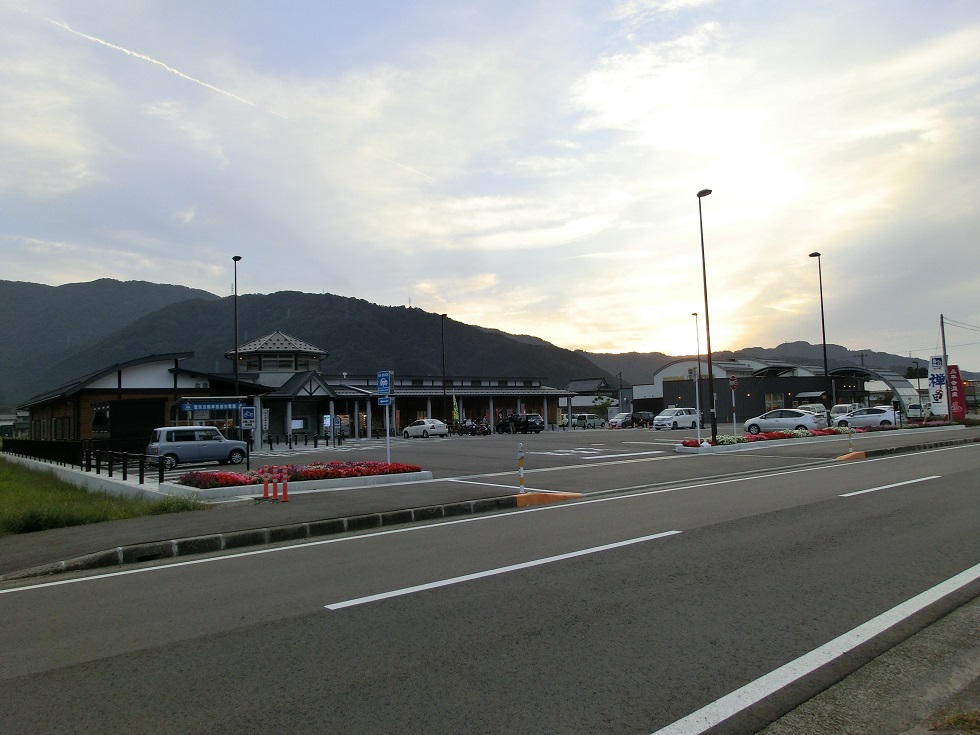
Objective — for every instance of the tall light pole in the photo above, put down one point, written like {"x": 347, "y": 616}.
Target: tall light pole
{"x": 823, "y": 332}
{"x": 697, "y": 390}
{"x": 443, "y": 332}
{"x": 235, "y": 259}
{"x": 707, "y": 324}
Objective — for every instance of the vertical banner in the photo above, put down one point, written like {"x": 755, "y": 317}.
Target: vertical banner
{"x": 957, "y": 397}
{"x": 937, "y": 386}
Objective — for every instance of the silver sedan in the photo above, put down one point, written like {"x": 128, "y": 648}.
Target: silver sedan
{"x": 876, "y": 416}
{"x": 785, "y": 419}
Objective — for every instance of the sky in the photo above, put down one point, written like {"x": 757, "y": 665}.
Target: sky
{"x": 527, "y": 165}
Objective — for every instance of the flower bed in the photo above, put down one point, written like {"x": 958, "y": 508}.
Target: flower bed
{"x": 293, "y": 473}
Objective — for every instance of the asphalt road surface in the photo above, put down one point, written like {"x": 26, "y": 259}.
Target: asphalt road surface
{"x": 678, "y": 591}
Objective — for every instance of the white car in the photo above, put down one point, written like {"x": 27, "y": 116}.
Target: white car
{"x": 677, "y": 418}
{"x": 589, "y": 421}
{"x": 425, "y": 428}
{"x": 875, "y": 416}
{"x": 841, "y": 409}
{"x": 616, "y": 422}
{"x": 786, "y": 419}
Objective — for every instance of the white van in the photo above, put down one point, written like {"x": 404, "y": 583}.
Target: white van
{"x": 840, "y": 409}
{"x": 173, "y": 445}
{"x": 589, "y": 421}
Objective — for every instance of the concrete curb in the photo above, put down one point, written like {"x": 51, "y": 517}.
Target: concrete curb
{"x": 904, "y": 450}
{"x": 172, "y": 548}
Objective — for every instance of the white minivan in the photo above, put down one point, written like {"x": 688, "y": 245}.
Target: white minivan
{"x": 174, "y": 445}
{"x": 677, "y": 418}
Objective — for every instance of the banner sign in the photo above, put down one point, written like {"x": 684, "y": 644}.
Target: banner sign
{"x": 957, "y": 397}
{"x": 937, "y": 385}
{"x": 210, "y": 406}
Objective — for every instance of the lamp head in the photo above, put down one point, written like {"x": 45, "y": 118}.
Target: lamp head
{"x": 704, "y": 193}
{"x": 236, "y": 258}
{"x": 814, "y": 255}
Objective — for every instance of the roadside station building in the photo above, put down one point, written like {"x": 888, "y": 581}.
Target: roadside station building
{"x": 281, "y": 377}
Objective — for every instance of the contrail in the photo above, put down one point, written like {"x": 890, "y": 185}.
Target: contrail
{"x": 179, "y": 73}
{"x": 169, "y": 68}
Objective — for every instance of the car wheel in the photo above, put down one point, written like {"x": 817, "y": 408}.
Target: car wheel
{"x": 169, "y": 461}
{"x": 753, "y": 428}
{"x": 425, "y": 434}
{"x": 694, "y": 424}
{"x": 237, "y": 456}
{"x": 886, "y": 422}
{"x": 673, "y": 425}
{"x": 842, "y": 424}
{"x": 801, "y": 427}
{"x": 406, "y": 435}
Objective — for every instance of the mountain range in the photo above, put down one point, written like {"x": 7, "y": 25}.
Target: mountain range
{"x": 51, "y": 335}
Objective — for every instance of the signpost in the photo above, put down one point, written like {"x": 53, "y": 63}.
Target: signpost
{"x": 733, "y": 384}
{"x": 248, "y": 417}
{"x": 384, "y": 399}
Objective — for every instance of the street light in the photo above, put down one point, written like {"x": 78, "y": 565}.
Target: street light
{"x": 236, "y": 258}
{"x": 707, "y": 323}
{"x": 443, "y": 330}
{"x": 697, "y": 390}
{"x": 823, "y": 331}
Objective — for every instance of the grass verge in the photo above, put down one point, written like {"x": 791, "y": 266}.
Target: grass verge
{"x": 32, "y": 500}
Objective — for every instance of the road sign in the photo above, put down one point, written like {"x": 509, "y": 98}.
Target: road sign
{"x": 384, "y": 382}
{"x": 733, "y": 382}
{"x": 384, "y": 401}
{"x": 248, "y": 417}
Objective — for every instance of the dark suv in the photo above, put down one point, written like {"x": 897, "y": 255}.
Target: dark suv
{"x": 524, "y": 423}
{"x": 641, "y": 418}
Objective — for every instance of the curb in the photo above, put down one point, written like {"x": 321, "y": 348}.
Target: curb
{"x": 209, "y": 543}
{"x": 904, "y": 450}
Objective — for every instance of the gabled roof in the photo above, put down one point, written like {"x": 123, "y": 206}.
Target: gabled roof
{"x": 589, "y": 386}
{"x": 278, "y": 342}
{"x": 74, "y": 386}
{"x": 304, "y": 384}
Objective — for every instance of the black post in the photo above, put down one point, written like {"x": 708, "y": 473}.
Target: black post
{"x": 707, "y": 323}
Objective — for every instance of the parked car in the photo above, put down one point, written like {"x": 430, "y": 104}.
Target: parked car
{"x": 523, "y": 423}
{"x": 842, "y": 408}
{"x": 589, "y": 421}
{"x": 916, "y": 411}
{"x": 677, "y": 418}
{"x": 813, "y": 407}
{"x": 874, "y": 416}
{"x": 620, "y": 420}
{"x": 174, "y": 445}
{"x": 425, "y": 428}
{"x": 786, "y": 419}
{"x": 641, "y": 418}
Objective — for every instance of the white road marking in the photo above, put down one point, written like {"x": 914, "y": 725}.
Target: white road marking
{"x": 886, "y": 487}
{"x": 628, "y": 454}
{"x": 493, "y": 572}
{"x": 755, "y": 691}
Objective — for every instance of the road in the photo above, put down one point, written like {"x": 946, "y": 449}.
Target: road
{"x": 676, "y": 581}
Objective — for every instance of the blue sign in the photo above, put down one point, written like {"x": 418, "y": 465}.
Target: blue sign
{"x": 384, "y": 382}
{"x": 248, "y": 417}
{"x": 384, "y": 401}
{"x": 209, "y": 406}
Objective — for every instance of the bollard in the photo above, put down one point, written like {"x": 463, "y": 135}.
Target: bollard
{"x": 265, "y": 486}
{"x": 285, "y": 488}
{"x": 520, "y": 466}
